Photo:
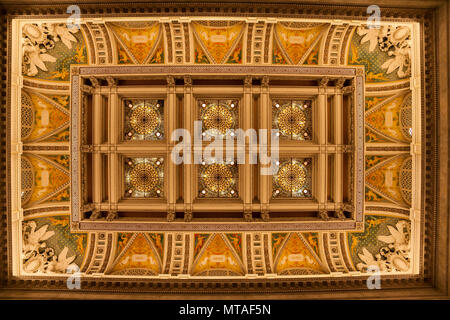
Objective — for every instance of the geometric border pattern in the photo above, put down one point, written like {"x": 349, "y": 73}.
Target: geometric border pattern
{"x": 256, "y": 71}
{"x": 422, "y": 285}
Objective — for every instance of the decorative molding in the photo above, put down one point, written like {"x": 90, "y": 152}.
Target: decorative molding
{"x": 246, "y": 73}
{"x": 293, "y": 284}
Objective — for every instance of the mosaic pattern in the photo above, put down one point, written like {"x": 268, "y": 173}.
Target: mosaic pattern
{"x": 389, "y": 179}
{"x": 313, "y": 58}
{"x": 294, "y": 43}
{"x": 391, "y": 118}
{"x": 144, "y": 177}
{"x": 374, "y": 160}
{"x": 199, "y": 55}
{"x": 138, "y": 42}
{"x": 277, "y": 241}
{"x": 313, "y": 240}
{"x": 217, "y": 42}
{"x": 63, "y": 160}
{"x": 43, "y": 118}
{"x": 49, "y": 179}
{"x": 297, "y": 258}
{"x": 199, "y": 242}
{"x": 158, "y": 242}
{"x": 236, "y": 56}
{"x": 60, "y": 196}
{"x": 218, "y": 258}
{"x": 122, "y": 240}
{"x": 158, "y": 57}
{"x": 293, "y": 119}
{"x": 277, "y": 55}
{"x": 293, "y": 179}
{"x": 144, "y": 119}
{"x": 138, "y": 258}
{"x": 236, "y": 241}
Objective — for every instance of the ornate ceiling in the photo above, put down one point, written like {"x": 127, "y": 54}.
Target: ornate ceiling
{"x": 46, "y": 237}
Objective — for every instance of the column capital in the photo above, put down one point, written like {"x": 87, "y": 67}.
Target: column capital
{"x": 323, "y": 214}
{"x": 170, "y": 80}
{"x": 187, "y": 80}
{"x": 324, "y": 82}
{"x": 248, "y": 81}
{"x": 265, "y": 216}
{"x": 171, "y": 212}
{"x": 340, "y": 215}
{"x": 170, "y": 216}
{"x": 86, "y": 89}
{"x": 112, "y": 215}
{"x": 94, "y": 82}
{"x": 112, "y": 82}
{"x": 96, "y": 215}
{"x": 188, "y": 216}
{"x": 348, "y": 207}
{"x": 88, "y": 207}
{"x": 340, "y": 83}
{"x": 348, "y": 89}
{"x": 265, "y": 82}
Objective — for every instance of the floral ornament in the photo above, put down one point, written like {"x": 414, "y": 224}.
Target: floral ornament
{"x": 37, "y": 257}
{"x": 33, "y": 58}
{"x": 60, "y": 265}
{"x": 393, "y": 257}
{"x": 32, "y": 239}
{"x": 396, "y": 41}
{"x": 38, "y": 40}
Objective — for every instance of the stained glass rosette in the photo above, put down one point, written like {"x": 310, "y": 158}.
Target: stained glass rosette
{"x": 144, "y": 120}
{"x": 144, "y": 177}
{"x": 218, "y": 179}
{"x": 293, "y": 179}
{"x": 219, "y": 117}
{"x": 293, "y": 119}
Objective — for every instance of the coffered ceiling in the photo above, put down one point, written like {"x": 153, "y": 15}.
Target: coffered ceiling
{"x": 93, "y": 184}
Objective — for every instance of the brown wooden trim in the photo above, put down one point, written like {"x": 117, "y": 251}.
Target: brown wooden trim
{"x": 434, "y": 281}
{"x": 442, "y": 253}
